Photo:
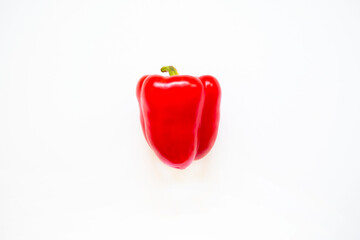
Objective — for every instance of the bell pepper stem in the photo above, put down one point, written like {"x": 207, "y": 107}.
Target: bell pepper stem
{"x": 170, "y": 69}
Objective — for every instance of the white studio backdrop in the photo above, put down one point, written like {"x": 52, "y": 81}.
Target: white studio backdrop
{"x": 74, "y": 163}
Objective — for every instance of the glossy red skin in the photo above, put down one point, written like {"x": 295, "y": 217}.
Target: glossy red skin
{"x": 210, "y": 116}
{"x": 179, "y": 116}
{"x": 138, "y": 91}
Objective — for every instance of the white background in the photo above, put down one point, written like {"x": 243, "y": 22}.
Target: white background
{"x": 74, "y": 163}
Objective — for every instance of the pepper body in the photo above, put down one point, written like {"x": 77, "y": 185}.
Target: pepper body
{"x": 179, "y": 116}
{"x": 210, "y": 116}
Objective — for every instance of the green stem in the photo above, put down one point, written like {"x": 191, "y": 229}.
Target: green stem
{"x": 172, "y": 71}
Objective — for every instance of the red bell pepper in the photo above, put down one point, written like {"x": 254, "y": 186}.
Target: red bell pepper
{"x": 179, "y": 115}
